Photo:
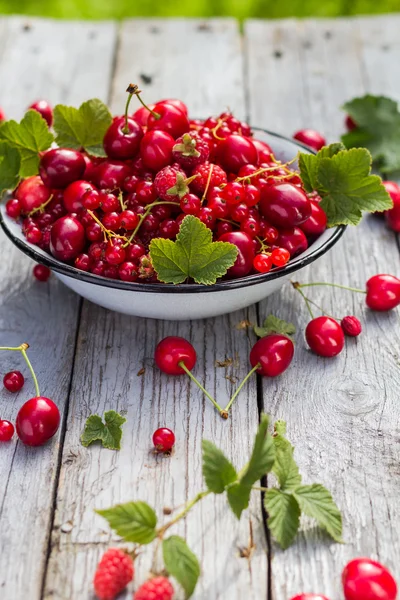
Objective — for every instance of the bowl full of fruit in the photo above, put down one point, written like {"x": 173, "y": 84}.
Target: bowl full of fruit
{"x": 158, "y": 215}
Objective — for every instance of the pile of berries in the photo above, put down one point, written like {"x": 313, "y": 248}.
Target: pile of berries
{"x": 100, "y": 214}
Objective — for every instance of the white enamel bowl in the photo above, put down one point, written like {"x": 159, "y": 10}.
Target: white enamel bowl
{"x": 185, "y": 301}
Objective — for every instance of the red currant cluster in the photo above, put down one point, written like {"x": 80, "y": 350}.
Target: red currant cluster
{"x": 100, "y": 214}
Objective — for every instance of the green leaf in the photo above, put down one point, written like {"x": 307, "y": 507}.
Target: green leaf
{"x": 181, "y": 563}
{"x": 218, "y": 472}
{"x": 317, "y": 502}
{"x": 274, "y": 325}
{"x": 262, "y": 457}
{"x": 82, "y": 127}
{"x": 283, "y": 516}
{"x": 343, "y": 180}
{"x": 378, "y": 129}
{"x": 193, "y": 256}
{"x": 30, "y": 137}
{"x": 133, "y": 521}
{"x": 10, "y": 165}
{"x": 109, "y": 433}
{"x": 285, "y": 467}
{"x": 238, "y": 497}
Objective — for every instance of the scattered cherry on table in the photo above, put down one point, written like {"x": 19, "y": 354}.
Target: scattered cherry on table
{"x": 6, "y": 430}
{"x": 41, "y": 273}
{"x": 325, "y": 336}
{"x": 366, "y": 579}
{"x": 37, "y": 421}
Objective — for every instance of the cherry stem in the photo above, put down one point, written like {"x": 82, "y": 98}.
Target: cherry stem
{"x": 306, "y": 300}
{"x": 235, "y": 395}
{"x": 142, "y": 218}
{"x": 41, "y": 207}
{"x": 125, "y": 128}
{"x": 160, "y": 532}
{"x": 23, "y": 348}
{"x": 342, "y": 287}
{"x": 197, "y": 382}
{"x": 134, "y": 90}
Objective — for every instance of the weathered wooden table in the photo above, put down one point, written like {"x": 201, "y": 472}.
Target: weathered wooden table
{"x": 343, "y": 414}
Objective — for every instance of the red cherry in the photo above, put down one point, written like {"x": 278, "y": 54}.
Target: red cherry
{"x": 13, "y": 208}
{"x": 61, "y": 166}
{"x": 293, "y": 240}
{"x": 163, "y": 439}
{"x": 325, "y": 336}
{"x": 274, "y": 353}
{"x": 122, "y": 139}
{"x": 284, "y": 205}
{"x": 41, "y": 273}
{"x": 177, "y": 103}
{"x": 366, "y": 579}
{"x": 244, "y": 261}
{"x": 74, "y": 193}
{"x": 6, "y": 430}
{"x": 310, "y": 138}
{"x": 44, "y": 109}
{"x": 171, "y": 351}
{"x": 156, "y": 149}
{"x": 383, "y": 292}
{"x": 33, "y": 235}
{"x": 110, "y": 174}
{"x": 2, "y": 115}
{"x": 264, "y": 151}
{"x": 222, "y": 228}
{"x": 316, "y": 222}
{"x": 235, "y": 152}
{"x": 37, "y": 421}
{"x": 351, "y": 326}
{"x": 32, "y": 193}
{"x": 67, "y": 238}
{"x": 350, "y": 123}
{"x": 309, "y": 597}
{"x": 171, "y": 119}
{"x": 13, "y": 381}
{"x": 392, "y": 216}
{"x": 142, "y": 114}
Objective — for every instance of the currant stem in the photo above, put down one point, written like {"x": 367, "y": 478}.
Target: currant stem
{"x": 342, "y": 287}
{"x": 160, "y": 532}
{"x": 207, "y": 184}
{"x": 231, "y": 401}
{"x": 142, "y": 218}
{"x": 134, "y": 90}
{"x": 197, "y": 382}
{"x": 23, "y": 348}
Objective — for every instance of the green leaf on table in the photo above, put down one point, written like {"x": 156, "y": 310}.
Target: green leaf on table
{"x": 274, "y": 325}
{"x": 181, "y": 563}
{"x": 82, "y": 127}
{"x": 218, "y": 471}
{"x": 262, "y": 457}
{"x": 30, "y": 137}
{"x": 285, "y": 467}
{"x": 109, "y": 432}
{"x": 283, "y": 516}
{"x": 133, "y": 521}
{"x": 345, "y": 184}
{"x": 317, "y": 502}
{"x": 192, "y": 256}
{"x": 378, "y": 129}
{"x": 10, "y": 165}
{"x": 238, "y": 497}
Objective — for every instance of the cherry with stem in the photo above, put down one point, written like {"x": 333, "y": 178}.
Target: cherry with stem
{"x": 133, "y": 90}
{"x": 23, "y": 348}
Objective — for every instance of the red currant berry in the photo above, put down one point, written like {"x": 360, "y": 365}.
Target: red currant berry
{"x": 122, "y": 139}
{"x": 284, "y": 205}
{"x": 98, "y": 268}
{"x": 168, "y": 229}
{"x": 111, "y": 221}
{"x": 222, "y": 227}
{"x": 156, "y": 149}
{"x": 33, "y": 235}
{"x": 240, "y": 212}
{"x": 135, "y": 251}
{"x": 130, "y": 183}
{"x": 37, "y": 421}
{"x": 207, "y": 216}
{"x": 82, "y": 262}
{"x": 191, "y": 204}
{"x": 94, "y": 232}
{"x": 173, "y": 350}
{"x": 74, "y": 194}
{"x": 32, "y": 193}
{"x": 246, "y": 253}
{"x": 41, "y": 273}
{"x": 170, "y": 119}
{"x": 310, "y": 138}
{"x": 234, "y": 193}
{"x": 351, "y": 326}
{"x": 252, "y": 195}
{"x": 280, "y": 256}
{"x": 262, "y": 263}
{"x": 383, "y": 292}
{"x": 251, "y": 226}
{"x": 268, "y": 232}
{"x": 111, "y": 271}
{"x": 13, "y": 381}
{"x": 392, "y": 216}
{"x": 236, "y": 151}
{"x": 163, "y": 439}
{"x": 325, "y": 336}
{"x": 145, "y": 192}
{"x": 128, "y": 220}
{"x": 128, "y": 271}
{"x": 6, "y": 430}
{"x": 13, "y": 208}
{"x": 114, "y": 254}
{"x": 218, "y": 204}
{"x": 350, "y": 123}
{"x": 61, "y": 166}
{"x": 366, "y": 579}
{"x": 273, "y": 353}
{"x": 44, "y": 109}
{"x": 150, "y": 223}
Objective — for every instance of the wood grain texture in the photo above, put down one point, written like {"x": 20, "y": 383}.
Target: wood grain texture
{"x": 202, "y": 64}
{"x": 38, "y": 62}
{"x": 342, "y": 413}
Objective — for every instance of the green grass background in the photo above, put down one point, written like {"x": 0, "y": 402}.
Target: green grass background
{"x": 103, "y": 9}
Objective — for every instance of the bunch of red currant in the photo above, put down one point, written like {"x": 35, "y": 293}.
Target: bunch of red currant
{"x": 100, "y": 214}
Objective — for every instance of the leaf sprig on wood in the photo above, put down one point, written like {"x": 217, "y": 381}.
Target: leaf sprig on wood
{"x": 272, "y": 453}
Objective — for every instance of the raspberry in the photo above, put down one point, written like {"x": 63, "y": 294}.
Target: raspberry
{"x": 351, "y": 326}
{"x": 114, "y": 572}
{"x": 158, "y": 588}
{"x": 218, "y": 177}
{"x": 170, "y": 184}
{"x": 190, "y": 150}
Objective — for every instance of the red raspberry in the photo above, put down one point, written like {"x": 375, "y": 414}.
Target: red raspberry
{"x": 170, "y": 184}
{"x": 114, "y": 572}
{"x": 351, "y": 326}
{"x": 190, "y": 150}
{"x": 158, "y": 588}
{"x": 218, "y": 177}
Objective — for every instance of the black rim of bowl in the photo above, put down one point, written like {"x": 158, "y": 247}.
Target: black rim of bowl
{"x": 187, "y": 288}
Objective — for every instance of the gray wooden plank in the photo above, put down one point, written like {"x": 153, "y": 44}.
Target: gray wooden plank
{"x": 342, "y": 413}
{"x": 36, "y": 62}
{"x": 201, "y": 63}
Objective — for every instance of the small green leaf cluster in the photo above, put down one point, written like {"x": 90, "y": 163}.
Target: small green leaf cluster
{"x": 108, "y": 433}
{"x": 274, "y": 325}
{"x": 272, "y": 453}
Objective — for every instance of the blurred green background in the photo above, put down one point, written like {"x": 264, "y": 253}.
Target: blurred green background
{"x": 102, "y": 9}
